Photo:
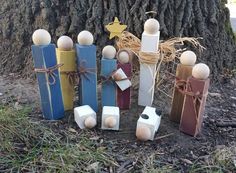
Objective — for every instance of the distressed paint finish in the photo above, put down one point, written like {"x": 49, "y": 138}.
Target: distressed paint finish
{"x": 109, "y": 88}
{"x": 124, "y": 97}
{"x": 182, "y": 73}
{"x": 86, "y": 58}
{"x": 68, "y": 59}
{"x": 193, "y": 109}
{"x": 51, "y": 95}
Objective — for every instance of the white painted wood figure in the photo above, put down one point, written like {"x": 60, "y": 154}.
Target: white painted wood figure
{"x": 123, "y": 84}
{"x": 85, "y": 117}
{"x": 110, "y": 118}
{"x": 148, "y": 124}
{"x": 149, "y": 44}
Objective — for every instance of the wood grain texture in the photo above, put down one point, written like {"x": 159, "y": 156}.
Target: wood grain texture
{"x": 124, "y": 97}
{"x": 192, "y": 115}
{"x": 182, "y": 73}
{"x": 109, "y": 88}
{"x": 86, "y": 57}
{"x": 51, "y": 95}
{"x": 68, "y": 59}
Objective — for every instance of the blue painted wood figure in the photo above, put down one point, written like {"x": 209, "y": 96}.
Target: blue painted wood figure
{"x": 87, "y": 69}
{"x": 108, "y": 66}
{"x": 46, "y": 69}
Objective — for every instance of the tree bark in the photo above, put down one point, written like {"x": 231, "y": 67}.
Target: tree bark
{"x": 208, "y": 19}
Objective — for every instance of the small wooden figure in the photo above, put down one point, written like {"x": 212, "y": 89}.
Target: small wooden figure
{"x": 48, "y": 77}
{"x": 149, "y": 44}
{"x": 67, "y": 56}
{"x": 85, "y": 117}
{"x": 183, "y": 71}
{"x": 195, "y": 99}
{"x": 148, "y": 124}
{"x": 124, "y": 57}
{"x": 108, "y": 67}
{"x": 87, "y": 69}
{"x": 110, "y": 118}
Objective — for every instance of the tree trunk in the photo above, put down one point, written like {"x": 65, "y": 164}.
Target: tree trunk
{"x": 208, "y": 19}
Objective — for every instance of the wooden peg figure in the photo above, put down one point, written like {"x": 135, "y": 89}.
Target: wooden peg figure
{"x": 66, "y": 55}
{"x": 108, "y": 67}
{"x": 183, "y": 71}
{"x": 195, "y": 99}
{"x": 87, "y": 69}
{"x": 46, "y": 68}
{"x": 124, "y": 57}
{"x": 149, "y": 47}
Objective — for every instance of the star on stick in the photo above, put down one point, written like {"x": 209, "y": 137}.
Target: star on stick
{"x": 115, "y": 28}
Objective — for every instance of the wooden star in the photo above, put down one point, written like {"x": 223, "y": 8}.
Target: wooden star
{"x": 115, "y": 28}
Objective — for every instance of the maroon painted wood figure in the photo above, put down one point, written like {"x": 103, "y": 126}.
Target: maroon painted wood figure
{"x": 124, "y": 57}
{"x": 195, "y": 99}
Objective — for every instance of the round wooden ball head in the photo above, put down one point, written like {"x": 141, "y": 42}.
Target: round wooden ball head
{"x": 151, "y": 26}
{"x": 143, "y": 133}
{"x": 110, "y": 122}
{"x": 85, "y": 38}
{"x": 90, "y": 122}
{"x": 188, "y": 58}
{"x": 201, "y": 71}
{"x": 65, "y": 43}
{"x": 123, "y": 57}
{"x": 109, "y": 52}
{"x": 41, "y": 37}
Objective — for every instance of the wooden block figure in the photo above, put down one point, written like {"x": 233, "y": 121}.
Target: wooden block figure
{"x": 48, "y": 77}
{"x": 148, "y": 124}
{"x": 183, "y": 71}
{"x": 67, "y": 56}
{"x": 110, "y": 118}
{"x": 124, "y": 58}
{"x": 149, "y": 44}
{"x": 87, "y": 69}
{"x": 85, "y": 117}
{"x": 108, "y": 67}
{"x": 195, "y": 99}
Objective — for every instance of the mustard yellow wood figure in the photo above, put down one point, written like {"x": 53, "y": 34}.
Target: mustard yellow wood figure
{"x": 115, "y": 28}
{"x": 67, "y": 56}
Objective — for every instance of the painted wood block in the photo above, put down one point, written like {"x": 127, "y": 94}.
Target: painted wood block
{"x": 182, "y": 73}
{"x": 68, "y": 59}
{"x": 151, "y": 118}
{"x": 51, "y": 95}
{"x": 146, "y": 84}
{"x": 150, "y": 42}
{"x": 124, "y": 97}
{"x": 193, "y": 107}
{"x": 109, "y": 88}
{"x": 82, "y": 113}
{"x": 86, "y": 60}
{"x": 110, "y": 118}
{"x": 122, "y": 80}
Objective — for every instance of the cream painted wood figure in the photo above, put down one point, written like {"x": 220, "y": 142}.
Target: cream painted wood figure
{"x": 148, "y": 124}
{"x": 110, "y": 118}
{"x": 149, "y": 44}
{"x": 85, "y": 117}
{"x": 121, "y": 79}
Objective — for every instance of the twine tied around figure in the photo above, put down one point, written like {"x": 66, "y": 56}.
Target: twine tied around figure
{"x": 185, "y": 88}
{"x": 83, "y": 71}
{"x": 72, "y": 77}
{"x": 50, "y": 72}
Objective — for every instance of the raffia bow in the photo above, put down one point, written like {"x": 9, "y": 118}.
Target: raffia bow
{"x": 72, "y": 77}
{"x": 50, "y": 72}
{"x": 83, "y": 71}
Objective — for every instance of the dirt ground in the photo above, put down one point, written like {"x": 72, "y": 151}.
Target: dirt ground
{"x": 171, "y": 147}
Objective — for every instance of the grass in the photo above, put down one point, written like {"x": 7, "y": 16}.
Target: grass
{"x": 32, "y": 146}
{"x": 28, "y": 146}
